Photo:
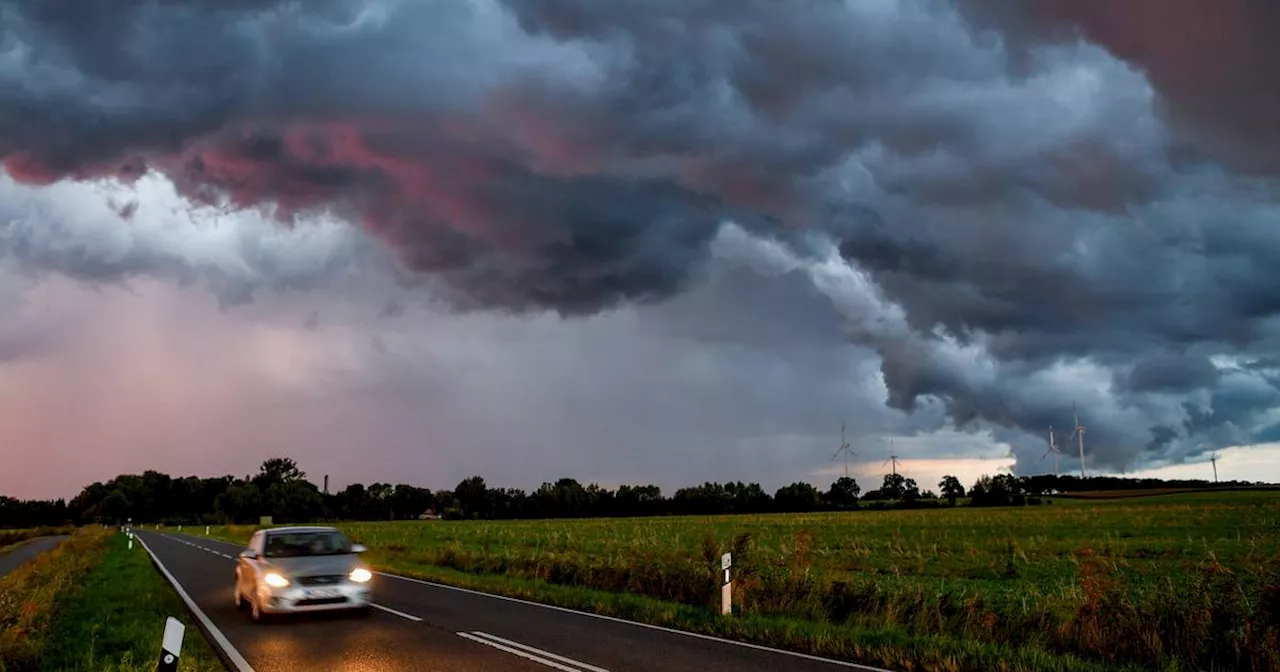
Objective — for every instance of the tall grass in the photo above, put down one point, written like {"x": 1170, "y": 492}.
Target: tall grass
{"x": 1184, "y": 582}
{"x": 114, "y": 620}
{"x": 29, "y": 593}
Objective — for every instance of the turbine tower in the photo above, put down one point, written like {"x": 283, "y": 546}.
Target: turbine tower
{"x": 1079, "y": 431}
{"x": 1213, "y": 457}
{"x": 844, "y": 448}
{"x": 892, "y": 458}
{"x": 1053, "y": 448}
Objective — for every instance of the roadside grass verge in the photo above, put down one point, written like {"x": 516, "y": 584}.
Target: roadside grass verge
{"x": 28, "y": 596}
{"x": 115, "y": 620}
{"x": 888, "y": 647}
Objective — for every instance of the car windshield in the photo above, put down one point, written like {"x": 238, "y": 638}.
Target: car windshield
{"x": 295, "y": 544}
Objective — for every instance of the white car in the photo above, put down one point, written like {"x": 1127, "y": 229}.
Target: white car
{"x": 302, "y": 569}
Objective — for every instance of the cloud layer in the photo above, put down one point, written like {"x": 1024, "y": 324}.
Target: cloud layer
{"x": 1008, "y": 207}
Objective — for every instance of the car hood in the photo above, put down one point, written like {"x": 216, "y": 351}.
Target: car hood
{"x": 313, "y": 565}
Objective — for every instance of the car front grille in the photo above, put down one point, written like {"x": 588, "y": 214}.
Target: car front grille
{"x": 320, "y": 580}
{"x": 319, "y": 601}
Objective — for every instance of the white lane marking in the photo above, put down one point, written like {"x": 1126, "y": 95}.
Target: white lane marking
{"x": 540, "y": 652}
{"x": 518, "y": 652}
{"x": 638, "y": 624}
{"x": 401, "y": 614}
{"x": 219, "y": 639}
{"x": 225, "y": 555}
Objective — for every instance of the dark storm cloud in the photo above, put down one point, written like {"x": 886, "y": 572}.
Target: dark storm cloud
{"x": 1215, "y": 63}
{"x": 1171, "y": 373}
{"x": 1021, "y": 202}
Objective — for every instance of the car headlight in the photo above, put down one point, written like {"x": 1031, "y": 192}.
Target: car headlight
{"x": 360, "y": 575}
{"x": 275, "y": 580}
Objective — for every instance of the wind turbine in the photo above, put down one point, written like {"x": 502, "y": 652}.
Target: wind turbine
{"x": 1053, "y": 448}
{"x": 892, "y": 458}
{"x": 844, "y": 448}
{"x": 1079, "y": 431}
{"x": 1213, "y": 457}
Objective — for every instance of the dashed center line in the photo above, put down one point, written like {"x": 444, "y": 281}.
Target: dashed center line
{"x": 401, "y": 614}
{"x": 530, "y": 653}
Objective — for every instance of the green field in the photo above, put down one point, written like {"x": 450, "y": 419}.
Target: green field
{"x": 1187, "y": 581}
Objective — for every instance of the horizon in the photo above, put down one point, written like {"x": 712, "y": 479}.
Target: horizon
{"x": 1227, "y": 472}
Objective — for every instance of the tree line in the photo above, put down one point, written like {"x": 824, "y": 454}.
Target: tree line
{"x": 281, "y": 490}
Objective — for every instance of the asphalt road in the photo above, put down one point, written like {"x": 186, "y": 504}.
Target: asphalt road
{"x": 11, "y": 560}
{"x": 424, "y": 626}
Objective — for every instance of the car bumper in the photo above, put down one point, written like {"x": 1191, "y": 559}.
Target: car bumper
{"x": 298, "y": 599}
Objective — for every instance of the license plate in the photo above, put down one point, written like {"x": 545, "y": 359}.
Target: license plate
{"x": 323, "y": 593}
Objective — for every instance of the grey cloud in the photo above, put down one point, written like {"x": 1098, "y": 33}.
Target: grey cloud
{"x": 76, "y": 234}
{"x": 1216, "y": 63}
{"x": 1171, "y": 373}
{"x": 1016, "y": 206}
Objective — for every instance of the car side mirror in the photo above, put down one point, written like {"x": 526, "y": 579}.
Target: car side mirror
{"x": 249, "y": 554}
{"x": 358, "y": 548}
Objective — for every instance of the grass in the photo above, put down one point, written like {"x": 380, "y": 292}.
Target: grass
{"x": 28, "y": 596}
{"x": 114, "y": 622}
{"x": 1177, "y": 582}
{"x": 92, "y": 605}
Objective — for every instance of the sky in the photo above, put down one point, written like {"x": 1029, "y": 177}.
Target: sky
{"x": 663, "y": 241}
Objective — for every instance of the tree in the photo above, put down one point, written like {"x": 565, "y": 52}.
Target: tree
{"x": 951, "y": 488}
{"x": 894, "y": 487}
{"x": 843, "y": 493}
{"x": 240, "y": 503}
{"x": 472, "y": 495}
{"x": 277, "y": 470}
{"x": 293, "y": 501}
{"x": 797, "y": 497}
{"x": 910, "y": 491}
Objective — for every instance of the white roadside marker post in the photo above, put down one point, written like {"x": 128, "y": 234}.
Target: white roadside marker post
{"x": 726, "y": 588}
{"x": 171, "y": 645}
{"x": 206, "y": 530}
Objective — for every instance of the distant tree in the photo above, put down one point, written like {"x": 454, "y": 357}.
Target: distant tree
{"x": 472, "y": 496}
{"x": 843, "y": 493}
{"x": 951, "y": 488}
{"x": 277, "y": 470}
{"x": 410, "y": 501}
{"x": 798, "y": 497}
{"x": 293, "y": 501}
{"x": 638, "y": 500}
{"x": 910, "y": 491}
{"x": 894, "y": 486}
{"x": 240, "y": 503}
